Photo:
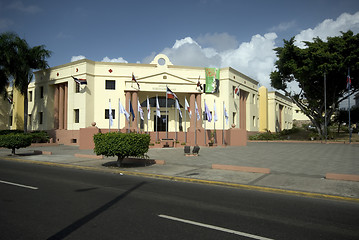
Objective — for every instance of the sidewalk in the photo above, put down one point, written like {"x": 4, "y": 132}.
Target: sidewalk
{"x": 303, "y": 167}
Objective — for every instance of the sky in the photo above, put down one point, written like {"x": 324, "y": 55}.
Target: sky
{"x": 204, "y": 33}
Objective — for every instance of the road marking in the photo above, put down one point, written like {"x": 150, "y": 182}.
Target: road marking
{"x": 19, "y": 185}
{"x": 215, "y": 227}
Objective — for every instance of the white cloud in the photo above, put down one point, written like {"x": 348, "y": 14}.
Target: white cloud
{"x": 283, "y": 26}
{"x": 76, "y": 58}
{"x": 119, "y": 60}
{"x": 219, "y": 41}
{"x": 329, "y": 28}
{"x": 20, "y": 6}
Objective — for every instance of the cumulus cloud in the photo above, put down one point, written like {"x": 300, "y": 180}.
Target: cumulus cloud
{"x": 119, "y": 60}
{"x": 76, "y": 58}
{"x": 329, "y": 28}
{"x": 219, "y": 41}
{"x": 283, "y": 26}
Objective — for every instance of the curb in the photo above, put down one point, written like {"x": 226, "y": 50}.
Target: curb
{"x": 241, "y": 168}
{"x": 88, "y": 156}
{"x": 345, "y": 177}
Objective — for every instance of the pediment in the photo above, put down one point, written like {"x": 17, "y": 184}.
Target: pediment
{"x": 165, "y": 78}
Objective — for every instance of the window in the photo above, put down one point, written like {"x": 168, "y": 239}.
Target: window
{"x": 41, "y": 92}
{"x": 107, "y": 115}
{"x": 41, "y": 117}
{"x": 110, "y": 84}
{"x": 77, "y": 87}
{"x": 234, "y": 117}
{"x": 10, "y": 120}
{"x": 77, "y": 115}
{"x": 30, "y": 120}
{"x": 30, "y": 96}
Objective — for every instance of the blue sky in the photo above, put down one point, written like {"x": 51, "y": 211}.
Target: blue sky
{"x": 219, "y": 33}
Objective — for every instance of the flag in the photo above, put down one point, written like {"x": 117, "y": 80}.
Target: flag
{"x": 199, "y": 84}
{"x": 132, "y": 112}
{"x": 139, "y": 109}
{"x": 197, "y": 112}
{"x": 215, "y": 117}
{"x": 178, "y": 107}
{"x": 349, "y": 82}
{"x": 9, "y": 99}
{"x": 186, "y": 105}
{"x": 236, "y": 91}
{"x": 134, "y": 79}
{"x": 170, "y": 94}
{"x": 110, "y": 117}
{"x": 123, "y": 111}
{"x": 208, "y": 113}
{"x": 158, "y": 112}
{"x": 148, "y": 109}
{"x": 225, "y": 113}
{"x": 79, "y": 81}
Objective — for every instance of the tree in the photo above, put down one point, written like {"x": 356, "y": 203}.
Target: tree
{"x": 307, "y": 67}
{"x": 18, "y": 62}
{"x": 15, "y": 141}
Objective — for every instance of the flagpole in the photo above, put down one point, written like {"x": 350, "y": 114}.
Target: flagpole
{"x": 175, "y": 120}
{"x": 350, "y": 129}
{"x": 147, "y": 114}
{"x": 205, "y": 140}
{"x": 137, "y": 115}
{"x": 119, "y": 114}
{"x": 156, "y": 118}
{"x": 223, "y": 124}
{"x": 214, "y": 123}
{"x": 325, "y": 107}
{"x": 166, "y": 116}
{"x": 129, "y": 118}
{"x": 185, "y": 120}
{"x": 109, "y": 115}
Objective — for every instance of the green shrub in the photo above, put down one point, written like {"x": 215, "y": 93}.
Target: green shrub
{"x": 5, "y": 132}
{"x": 39, "y": 137}
{"x": 121, "y": 145}
{"x": 15, "y": 141}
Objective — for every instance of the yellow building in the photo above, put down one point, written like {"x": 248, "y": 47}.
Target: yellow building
{"x": 59, "y": 104}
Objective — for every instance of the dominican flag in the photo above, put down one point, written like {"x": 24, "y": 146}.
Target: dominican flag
{"x": 132, "y": 112}
{"x": 236, "y": 91}
{"x": 186, "y": 105}
{"x": 199, "y": 84}
{"x": 349, "y": 82}
{"x": 134, "y": 79}
{"x": 170, "y": 94}
{"x": 79, "y": 80}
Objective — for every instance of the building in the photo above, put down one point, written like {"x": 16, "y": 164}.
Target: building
{"x": 65, "y": 107}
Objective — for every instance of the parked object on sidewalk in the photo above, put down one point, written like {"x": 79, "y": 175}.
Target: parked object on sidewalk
{"x": 195, "y": 150}
{"x": 187, "y": 150}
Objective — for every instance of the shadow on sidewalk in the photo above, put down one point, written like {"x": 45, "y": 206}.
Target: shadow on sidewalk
{"x": 131, "y": 163}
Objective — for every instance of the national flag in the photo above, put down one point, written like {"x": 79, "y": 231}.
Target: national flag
{"x": 134, "y": 79}
{"x": 123, "y": 111}
{"x": 110, "y": 117}
{"x": 236, "y": 91}
{"x": 178, "y": 107}
{"x": 158, "y": 112}
{"x": 197, "y": 111}
{"x": 349, "y": 82}
{"x": 199, "y": 84}
{"x": 208, "y": 113}
{"x": 215, "y": 118}
{"x": 186, "y": 105}
{"x": 9, "y": 99}
{"x": 170, "y": 94}
{"x": 132, "y": 112}
{"x": 148, "y": 109}
{"x": 139, "y": 109}
{"x": 79, "y": 80}
{"x": 225, "y": 113}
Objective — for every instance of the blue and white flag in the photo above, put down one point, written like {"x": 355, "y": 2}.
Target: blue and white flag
{"x": 123, "y": 111}
{"x": 139, "y": 109}
{"x": 215, "y": 117}
{"x": 110, "y": 117}
{"x": 225, "y": 113}
{"x": 197, "y": 111}
{"x": 148, "y": 109}
{"x": 132, "y": 112}
{"x": 178, "y": 107}
{"x": 208, "y": 113}
{"x": 158, "y": 112}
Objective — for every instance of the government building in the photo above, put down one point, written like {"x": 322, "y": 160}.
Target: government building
{"x": 180, "y": 104}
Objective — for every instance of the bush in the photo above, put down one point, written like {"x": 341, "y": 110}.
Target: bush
{"x": 121, "y": 145}
{"x": 40, "y": 137}
{"x": 15, "y": 141}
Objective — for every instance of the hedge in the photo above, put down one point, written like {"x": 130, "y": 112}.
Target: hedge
{"x": 15, "y": 141}
{"x": 121, "y": 145}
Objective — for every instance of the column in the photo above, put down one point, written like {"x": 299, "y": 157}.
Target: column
{"x": 243, "y": 109}
{"x": 134, "y": 102}
{"x": 61, "y": 106}
{"x": 192, "y": 100}
{"x": 56, "y": 107}
{"x": 198, "y": 100}
{"x": 65, "y": 106}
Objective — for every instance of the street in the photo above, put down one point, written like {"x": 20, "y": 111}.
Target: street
{"x": 46, "y": 202}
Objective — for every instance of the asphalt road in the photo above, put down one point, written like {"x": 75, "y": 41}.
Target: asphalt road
{"x": 46, "y": 202}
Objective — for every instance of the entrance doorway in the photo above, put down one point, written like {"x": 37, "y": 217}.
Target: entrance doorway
{"x": 161, "y": 125}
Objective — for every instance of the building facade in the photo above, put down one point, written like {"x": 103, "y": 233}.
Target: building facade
{"x": 64, "y": 106}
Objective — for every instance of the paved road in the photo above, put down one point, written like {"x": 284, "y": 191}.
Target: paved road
{"x": 61, "y": 203}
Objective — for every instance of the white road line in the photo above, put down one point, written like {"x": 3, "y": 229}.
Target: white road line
{"x": 215, "y": 227}
{"x": 19, "y": 185}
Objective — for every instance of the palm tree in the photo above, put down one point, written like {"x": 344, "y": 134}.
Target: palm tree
{"x": 19, "y": 62}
